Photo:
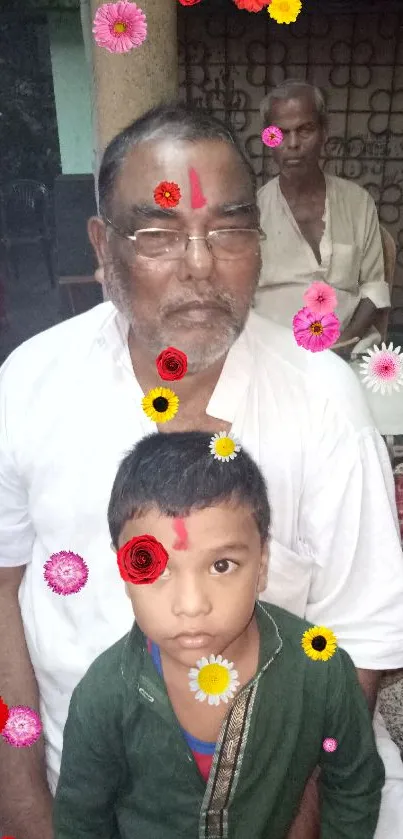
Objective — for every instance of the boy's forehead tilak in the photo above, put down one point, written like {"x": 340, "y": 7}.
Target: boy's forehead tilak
{"x": 180, "y": 529}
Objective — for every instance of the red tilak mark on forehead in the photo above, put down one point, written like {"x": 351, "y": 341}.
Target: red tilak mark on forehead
{"x": 182, "y": 534}
{"x": 197, "y": 199}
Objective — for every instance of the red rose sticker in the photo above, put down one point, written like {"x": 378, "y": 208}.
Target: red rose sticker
{"x": 189, "y": 2}
{"x": 4, "y": 714}
{"x": 172, "y": 364}
{"x": 142, "y": 560}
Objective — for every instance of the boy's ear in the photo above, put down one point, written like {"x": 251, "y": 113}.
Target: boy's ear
{"x": 263, "y": 568}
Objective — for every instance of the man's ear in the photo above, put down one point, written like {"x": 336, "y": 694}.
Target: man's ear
{"x": 263, "y": 568}
{"x": 97, "y": 235}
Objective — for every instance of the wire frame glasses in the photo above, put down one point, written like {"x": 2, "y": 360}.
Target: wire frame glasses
{"x": 164, "y": 244}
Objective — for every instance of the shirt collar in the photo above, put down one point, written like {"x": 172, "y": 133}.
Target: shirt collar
{"x": 234, "y": 379}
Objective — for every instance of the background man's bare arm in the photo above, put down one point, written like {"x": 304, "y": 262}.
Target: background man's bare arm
{"x": 25, "y": 798}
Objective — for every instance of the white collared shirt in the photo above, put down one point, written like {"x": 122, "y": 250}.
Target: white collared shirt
{"x": 70, "y": 409}
{"x": 350, "y": 249}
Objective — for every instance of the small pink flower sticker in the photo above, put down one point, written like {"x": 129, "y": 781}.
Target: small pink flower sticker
{"x": 272, "y": 136}
{"x": 66, "y": 572}
{"x": 329, "y": 744}
{"x": 23, "y": 727}
{"x": 119, "y": 27}
{"x": 320, "y": 298}
{"x": 382, "y": 369}
{"x": 315, "y": 332}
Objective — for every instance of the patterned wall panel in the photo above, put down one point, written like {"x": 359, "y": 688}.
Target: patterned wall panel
{"x": 230, "y": 59}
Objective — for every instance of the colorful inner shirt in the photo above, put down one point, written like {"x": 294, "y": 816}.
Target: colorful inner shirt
{"x": 202, "y": 751}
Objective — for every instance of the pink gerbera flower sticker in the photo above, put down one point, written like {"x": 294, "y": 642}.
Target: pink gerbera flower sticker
{"x": 315, "y": 332}
{"x": 23, "y": 727}
{"x": 329, "y": 744}
{"x": 66, "y": 572}
{"x": 320, "y": 298}
{"x": 272, "y": 136}
{"x": 119, "y": 27}
{"x": 382, "y": 369}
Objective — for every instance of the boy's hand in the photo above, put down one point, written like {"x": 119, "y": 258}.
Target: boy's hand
{"x": 307, "y": 823}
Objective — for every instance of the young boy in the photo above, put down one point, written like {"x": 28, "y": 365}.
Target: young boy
{"x": 210, "y": 716}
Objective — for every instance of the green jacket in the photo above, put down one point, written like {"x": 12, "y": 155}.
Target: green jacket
{"x": 127, "y": 772}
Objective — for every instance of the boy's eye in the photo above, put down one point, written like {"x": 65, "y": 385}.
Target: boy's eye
{"x": 222, "y": 566}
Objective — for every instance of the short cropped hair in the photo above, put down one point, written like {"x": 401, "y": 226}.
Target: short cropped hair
{"x": 167, "y": 121}
{"x": 177, "y": 473}
{"x": 292, "y": 89}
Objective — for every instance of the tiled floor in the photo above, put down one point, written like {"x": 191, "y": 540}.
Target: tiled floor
{"x": 31, "y": 306}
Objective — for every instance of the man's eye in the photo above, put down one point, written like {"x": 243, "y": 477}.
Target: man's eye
{"x": 222, "y": 566}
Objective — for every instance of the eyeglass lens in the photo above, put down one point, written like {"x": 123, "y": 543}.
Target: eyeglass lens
{"x": 171, "y": 244}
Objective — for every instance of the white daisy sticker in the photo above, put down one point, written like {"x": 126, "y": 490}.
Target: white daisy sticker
{"x": 224, "y": 446}
{"x": 382, "y": 369}
{"x": 214, "y": 679}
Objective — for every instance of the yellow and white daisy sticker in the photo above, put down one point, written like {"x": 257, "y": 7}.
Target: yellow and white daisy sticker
{"x": 214, "y": 679}
{"x": 224, "y": 446}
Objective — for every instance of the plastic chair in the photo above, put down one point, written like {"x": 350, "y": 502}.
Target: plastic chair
{"x": 389, "y": 258}
{"x": 25, "y": 214}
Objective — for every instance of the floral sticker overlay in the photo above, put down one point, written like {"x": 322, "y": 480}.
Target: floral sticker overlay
{"x": 320, "y": 298}
{"x": 382, "y": 369}
{"x": 224, "y": 446}
{"x": 119, "y": 27}
{"x": 315, "y": 332}
{"x": 142, "y": 560}
{"x": 23, "y": 727}
{"x": 160, "y": 404}
{"x": 272, "y": 136}
{"x": 189, "y": 2}
{"x": 66, "y": 572}
{"x": 329, "y": 744}
{"x": 319, "y": 643}
{"x": 252, "y": 5}
{"x": 284, "y": 11}
{"x": 213, "y": 679}
{"x": 167, "y": 194}
{"x": 4, "y": 714}
{"x": 172, "y": 364}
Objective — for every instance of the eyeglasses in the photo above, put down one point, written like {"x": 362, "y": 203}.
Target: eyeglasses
{"x": 159, "y": 243}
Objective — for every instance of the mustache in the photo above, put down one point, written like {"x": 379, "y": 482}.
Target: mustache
{"x": 221, "y": 300}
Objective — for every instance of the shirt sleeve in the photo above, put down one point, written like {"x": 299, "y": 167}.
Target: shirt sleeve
{"x": 353, "y": 775}
{"x": 349, "y": 527}
{"x": 90, "y": 773}
{"x": 372, "y": 273}
{"x": 16, "y": 529}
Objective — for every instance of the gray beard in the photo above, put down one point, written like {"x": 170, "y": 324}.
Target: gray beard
{"x": 158, "y": 337}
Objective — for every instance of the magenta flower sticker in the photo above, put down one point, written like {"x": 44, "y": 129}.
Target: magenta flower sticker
{"x": 272, "y": 136}
{"x": 119, "y": 27}
{"x": 382, "y": 369}
{"x": 320, "y": 298}
{"x": 23, "y": 727}
{"x": 66, "y": 572}
{"x": 329, "y": 744}
{"x": 315, "y": 332}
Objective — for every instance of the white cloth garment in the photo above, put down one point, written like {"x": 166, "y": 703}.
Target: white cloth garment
{"x": 70, "y": 409}
{"x": 351, "y": 255}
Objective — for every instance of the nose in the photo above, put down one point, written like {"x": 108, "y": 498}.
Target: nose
{"x": 198, "y": 259}
{"x": 293, "y": 140}
{"x": 190, "y": 598}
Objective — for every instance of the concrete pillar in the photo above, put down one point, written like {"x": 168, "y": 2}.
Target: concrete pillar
{"x": 125, "y": 86}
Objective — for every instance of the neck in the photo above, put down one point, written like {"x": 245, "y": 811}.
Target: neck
{"x": 192, "y": 385}
{"x": 294, "y": 187}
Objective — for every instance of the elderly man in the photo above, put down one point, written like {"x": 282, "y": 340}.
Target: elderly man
{"x": 182, "y": 274}
{"x": 318, "y": 227}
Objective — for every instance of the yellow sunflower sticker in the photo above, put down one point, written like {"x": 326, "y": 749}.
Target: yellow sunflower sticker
{"x": 319, "y": 643}
{"x": 160, "y": 404}
{"x": 224, "y": 446}
{"x": 284, "y": 11}
{"x": 214, "y": 679}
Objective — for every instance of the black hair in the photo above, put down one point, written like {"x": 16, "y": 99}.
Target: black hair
{"x": 177, "y": 473}
{"x": 169, "y": 120}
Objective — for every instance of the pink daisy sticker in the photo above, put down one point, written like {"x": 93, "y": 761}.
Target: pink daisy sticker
{"x": 315, "y": 332}
{"x": 119, "y": 27}
{"x": 320, "y": 298}
{"x": 66, "y": 572}
{"x": 272, "y": 136}
{"x": 382, "y": 369}
{"x": 23, "y": 727}
{"x": 329, "y": 744}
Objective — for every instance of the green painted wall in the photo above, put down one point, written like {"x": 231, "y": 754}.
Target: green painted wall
{"x": 71, "y": 84}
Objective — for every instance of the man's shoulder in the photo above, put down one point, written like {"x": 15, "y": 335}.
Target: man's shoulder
{"x": 267, "y": 190}
{"x": 63, "y": 339}
{"x": 321, "y": 375}
{"x": 349, "y": 190}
